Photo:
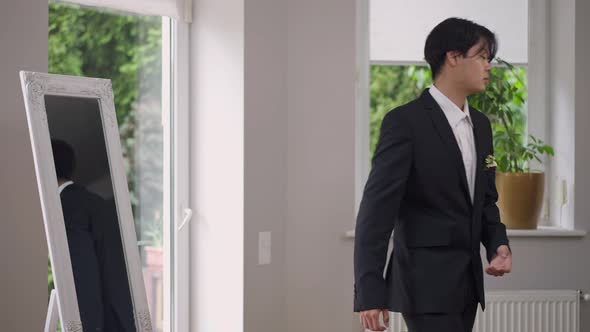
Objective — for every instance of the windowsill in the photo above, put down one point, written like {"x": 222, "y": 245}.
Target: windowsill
{"x": 546, "y": 231}
{"x": 542, "y": 231}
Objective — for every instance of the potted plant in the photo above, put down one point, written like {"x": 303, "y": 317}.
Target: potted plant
{"x": 520, "y": 189}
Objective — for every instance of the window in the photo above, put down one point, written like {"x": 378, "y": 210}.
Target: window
{"x": 399, "y": 74}
{"x": 394, "y": 85}
{"x": 134, "y": 52}
{"x": 524, "y": 33}
{"x": 532, "y": 37}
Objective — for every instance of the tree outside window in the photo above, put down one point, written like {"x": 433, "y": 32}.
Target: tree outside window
{"x": 128, "y": 50}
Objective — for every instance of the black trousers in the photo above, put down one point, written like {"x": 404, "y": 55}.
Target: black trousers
{"x": 446, "y": 322}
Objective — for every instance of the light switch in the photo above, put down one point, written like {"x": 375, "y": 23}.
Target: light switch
{"x": 263, "y": 248}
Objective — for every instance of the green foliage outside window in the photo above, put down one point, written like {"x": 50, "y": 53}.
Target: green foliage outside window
{"x": 393, "y": 86}
{"x": 126, "y": 49}
{"x": 91, "y": 43}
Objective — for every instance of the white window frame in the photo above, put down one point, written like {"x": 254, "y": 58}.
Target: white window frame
{"x": 537, "y": 72}
{"x": 177, "y": 214}
{"x": 176, "y": 185}
{"x": 180, "y": 158}
{"x": 175, "y": 121}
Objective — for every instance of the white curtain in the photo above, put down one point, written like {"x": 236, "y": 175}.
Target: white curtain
{"x": 177, "y": 9}
{"x": 398, "y": 28}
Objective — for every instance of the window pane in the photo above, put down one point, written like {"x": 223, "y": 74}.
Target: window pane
{"x": 390, "y": 22}
{"x": 128, "y": 50}
{"x": 393, "y": 86}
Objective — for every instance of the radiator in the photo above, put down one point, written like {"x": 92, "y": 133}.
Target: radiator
{"x": 522, "y": 311}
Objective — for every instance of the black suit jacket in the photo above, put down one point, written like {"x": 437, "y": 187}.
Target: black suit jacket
{"x": 80, "y": 209}
{"x": 119, "y": 315}
{"x": 418, "y": 189}
{"x": 98, "y": 261}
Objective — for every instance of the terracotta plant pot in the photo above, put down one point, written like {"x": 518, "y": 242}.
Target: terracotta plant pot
{"x": 520, "y": 198}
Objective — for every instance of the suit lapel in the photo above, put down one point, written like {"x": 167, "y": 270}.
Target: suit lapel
{"x": 445, "y": 132}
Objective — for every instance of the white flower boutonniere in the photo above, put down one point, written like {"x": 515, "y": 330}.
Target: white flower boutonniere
{"x": 491, "y": 163}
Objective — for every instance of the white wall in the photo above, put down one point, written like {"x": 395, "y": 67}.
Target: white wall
{"x": 23, "y": 249}
{"x": 272, "y": 149}
{"x": 580, "y": 252}
{"x": 297, "y": 108}
{"x": 265, "y": 139}
{"x": 538, "y": 93}
{"x": 562, "y": 108}
{"x": 217, "y": 165}
{"x": 320, "y": 164}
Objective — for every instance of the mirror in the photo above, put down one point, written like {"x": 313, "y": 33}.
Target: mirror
{"x": 86, "y": 205}
{"x": 90, "y": 213}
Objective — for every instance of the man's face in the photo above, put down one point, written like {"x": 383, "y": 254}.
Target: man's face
{"x": 473, "y": 70}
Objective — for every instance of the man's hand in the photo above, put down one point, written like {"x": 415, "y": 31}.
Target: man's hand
{"x": 501, "y": 263}
{"x": 370, "y": 319}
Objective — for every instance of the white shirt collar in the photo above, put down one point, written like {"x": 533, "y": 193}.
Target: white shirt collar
{"x": 64, "y": 185}
{"x": 453, "y": 113}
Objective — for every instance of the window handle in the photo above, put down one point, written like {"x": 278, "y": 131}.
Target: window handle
{"x": 188, "y": 214}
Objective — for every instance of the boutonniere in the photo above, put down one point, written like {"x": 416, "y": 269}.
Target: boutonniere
{"x": 491, "y": 163}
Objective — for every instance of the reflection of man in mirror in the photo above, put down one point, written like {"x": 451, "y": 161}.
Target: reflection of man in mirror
{"x": 96, "y": 251}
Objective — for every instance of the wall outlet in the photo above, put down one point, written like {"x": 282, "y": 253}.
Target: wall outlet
{"x": 264, "y": 246}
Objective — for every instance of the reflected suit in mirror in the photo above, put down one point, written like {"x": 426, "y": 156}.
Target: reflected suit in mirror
{"x": 96, "y": 252}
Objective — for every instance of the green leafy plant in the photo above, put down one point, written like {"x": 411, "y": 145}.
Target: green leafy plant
{"x": 503, "y": 102}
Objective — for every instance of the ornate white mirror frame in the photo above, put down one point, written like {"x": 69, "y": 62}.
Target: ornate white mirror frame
{"x": 35, "y": 87}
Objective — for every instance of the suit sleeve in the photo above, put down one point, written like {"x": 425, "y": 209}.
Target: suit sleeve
{"x": 493, "y": 231}
{"x": 378, "y": 210}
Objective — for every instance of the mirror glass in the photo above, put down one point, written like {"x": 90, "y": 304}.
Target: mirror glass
{"x": 90, "y": 213}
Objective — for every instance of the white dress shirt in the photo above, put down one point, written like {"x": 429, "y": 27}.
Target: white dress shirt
{"x": 460, "y": 122}
{"x": 64, "y": 185}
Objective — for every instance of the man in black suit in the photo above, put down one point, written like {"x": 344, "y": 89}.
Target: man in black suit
{"x": 96, "y": 252}
{"x": 432, "y": 183}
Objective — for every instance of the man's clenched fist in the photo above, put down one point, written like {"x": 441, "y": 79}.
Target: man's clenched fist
{"x": 501, "y": 263}
{"x": 370, "y": 319}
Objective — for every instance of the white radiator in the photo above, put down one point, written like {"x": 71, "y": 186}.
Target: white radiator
{"x": 522, "y": 311}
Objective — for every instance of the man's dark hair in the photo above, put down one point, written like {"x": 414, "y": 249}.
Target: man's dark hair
{"x": 64, "y": 158}
{"x": 456, "y": 34}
